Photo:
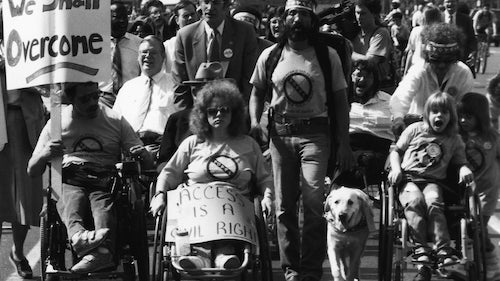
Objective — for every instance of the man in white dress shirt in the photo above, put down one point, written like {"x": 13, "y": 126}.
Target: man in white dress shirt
{"x": 148, "y": 100}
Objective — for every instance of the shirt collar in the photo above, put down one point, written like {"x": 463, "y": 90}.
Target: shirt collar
{"x": 208, "y": 29}
{"x": 156, "y": 78}
{"x": 378, "y": 97}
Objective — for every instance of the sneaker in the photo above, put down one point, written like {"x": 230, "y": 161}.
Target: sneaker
{"x": 84, "y": 242}
{"x": 227, "y": 261}
{"x": 94, "y": 262}
{"x": 22, "y": 266}
{"x": 421, "y": 255}
{"x": 193, "y": 262}
{"x": 423, "y": 274}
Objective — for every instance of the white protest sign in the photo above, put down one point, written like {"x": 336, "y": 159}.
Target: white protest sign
{"x": 55, "y": 41}
{"x": 211, "y": 212}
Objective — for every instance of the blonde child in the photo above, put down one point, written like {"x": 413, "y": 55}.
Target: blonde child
{"x": 418, "y": 163}
{"x": 482, "y": 149}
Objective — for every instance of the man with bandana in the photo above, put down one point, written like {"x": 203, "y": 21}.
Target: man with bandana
{"x": 442, "y": 71}
{"x": 301, "y": 132}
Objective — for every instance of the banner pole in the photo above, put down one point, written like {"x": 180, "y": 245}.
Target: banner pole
{"x": 55, "y": 131}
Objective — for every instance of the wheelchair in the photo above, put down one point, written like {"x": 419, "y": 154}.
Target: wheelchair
{"x": 465, "y": 225}
{"x": 131, "y": 252}
{"x": 255, "y": 258}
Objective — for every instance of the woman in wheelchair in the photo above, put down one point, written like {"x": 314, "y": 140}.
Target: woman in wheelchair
{"x": 370, "y": 124}
{"x": 93, "y": 139}
{"x": 418, "y": 163}
{"x": 482, "y": 148}
{"x": 218, "y": 151}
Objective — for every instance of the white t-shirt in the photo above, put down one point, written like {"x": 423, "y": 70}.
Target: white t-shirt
{"x": 298, "y": 82}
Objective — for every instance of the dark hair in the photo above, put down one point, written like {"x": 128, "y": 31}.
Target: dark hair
{"x": 477, "y": 105}
{"x": 492, "y": 84}
{"x": 153, "y": 38}
{"x": 230, "y": 95}
{"x": 154, "y": 3}
{"x": 70, "y": 88}
{"x": 181, "y": 5}
{"x": 444, "y": 102}
{"x": 370, "y": 68}
{"x": 445, "y": 34}
{"x": 397, "y": 15}
{"x": 431, "y": 15}
{"x": 273, "y": 12}
{"x": 374, "y": 6}
{"x": 148, "y": 29}
{"x": 248, "y": 9}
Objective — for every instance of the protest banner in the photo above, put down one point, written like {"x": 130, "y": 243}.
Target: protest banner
{"x": 210, "y": 212}
{"x": 55, "y": 41}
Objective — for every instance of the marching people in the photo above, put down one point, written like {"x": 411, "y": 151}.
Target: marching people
{"x": 93, "y": 140}
{"x": 184, "y": 13}
{"x": 124, "y": 46}
{"x": 148, "y": 100}
{"x": 217, "y": 122}
{"x": 442, "y": 70}
{"x": 216, "y": 37}
{"x": 21, "y": 201}
{"x": 302, "y": 129}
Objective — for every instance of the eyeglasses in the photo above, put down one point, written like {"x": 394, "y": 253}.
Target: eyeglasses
{"x": 212, "y": 111}
{"x": 87, "y": 98}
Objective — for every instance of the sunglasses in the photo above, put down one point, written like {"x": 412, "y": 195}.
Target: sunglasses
{"x": 87, "y": 98}
{"x": 212, "y": 111}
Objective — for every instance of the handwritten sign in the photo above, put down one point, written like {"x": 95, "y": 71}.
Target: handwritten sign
{"x": 55, "y": 41}
{"x": 211, "y": 212}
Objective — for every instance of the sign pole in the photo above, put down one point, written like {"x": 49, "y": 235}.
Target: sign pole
{"x": 55, "y": 129}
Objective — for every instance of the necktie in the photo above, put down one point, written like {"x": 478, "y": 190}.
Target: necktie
{"x": 450, "y": 18}
{"x": 116, "y": 67}
{"x": 144, "y": 104}
{"x": 214, "y": 48}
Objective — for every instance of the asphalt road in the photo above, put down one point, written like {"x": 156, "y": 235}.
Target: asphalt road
{"x": 369, "y": 263}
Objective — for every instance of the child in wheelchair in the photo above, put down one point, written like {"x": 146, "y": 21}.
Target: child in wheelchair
{"x": 419, "y": 163}
{"x": 92, "y": 141}
{"x": 482, "y": 149}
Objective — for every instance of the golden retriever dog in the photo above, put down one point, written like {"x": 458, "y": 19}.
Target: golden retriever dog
{"x": 350, "y": 220}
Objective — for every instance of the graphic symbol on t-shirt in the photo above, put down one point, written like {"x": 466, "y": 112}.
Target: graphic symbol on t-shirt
{"x": 298, "y": 88}
{"x": 475, "y": 156}
{"x": 222, "y": 167}
{"x": 87, "y": 144}
{"x": 429, "y": 154}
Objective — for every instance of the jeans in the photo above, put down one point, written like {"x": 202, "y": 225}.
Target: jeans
{"x": 299, "y": 167}
{"x": 424, "y": 209}
{"x": 74, "y": 206}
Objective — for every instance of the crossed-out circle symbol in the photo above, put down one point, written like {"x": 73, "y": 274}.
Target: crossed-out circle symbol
{"x": 87, "y": 144}
{"x": 298, "y": 88}
{"x": 222, "y": 167}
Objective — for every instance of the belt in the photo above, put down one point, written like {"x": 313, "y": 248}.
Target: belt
{"x": 13, "y": 107}
{"x": 280, "y": 119}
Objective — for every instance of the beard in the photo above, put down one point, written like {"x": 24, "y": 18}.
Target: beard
{"x": 298, "y": 32}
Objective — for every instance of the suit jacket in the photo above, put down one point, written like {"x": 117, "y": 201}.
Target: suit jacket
{"x": 238, "y": 48}
{"x": 176, "y": 130}
{"x": 464, "y": 23}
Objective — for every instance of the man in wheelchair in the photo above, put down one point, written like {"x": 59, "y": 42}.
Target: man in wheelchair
{"x": 92, "y": 141}
{"x": 370, "y": 124}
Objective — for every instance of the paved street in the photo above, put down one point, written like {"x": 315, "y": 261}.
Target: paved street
{"x": 369, "y": 262}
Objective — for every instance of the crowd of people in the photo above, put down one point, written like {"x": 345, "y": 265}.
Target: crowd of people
{"x": 204, "y": 81}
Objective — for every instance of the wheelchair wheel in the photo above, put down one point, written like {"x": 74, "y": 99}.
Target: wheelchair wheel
{"x": 44, "y": 245}
{"x": 140, "y": 238}
{"x": 162, "y": 265}
{"x": 261, "y": 266}
{"x": 478, "y": 238}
